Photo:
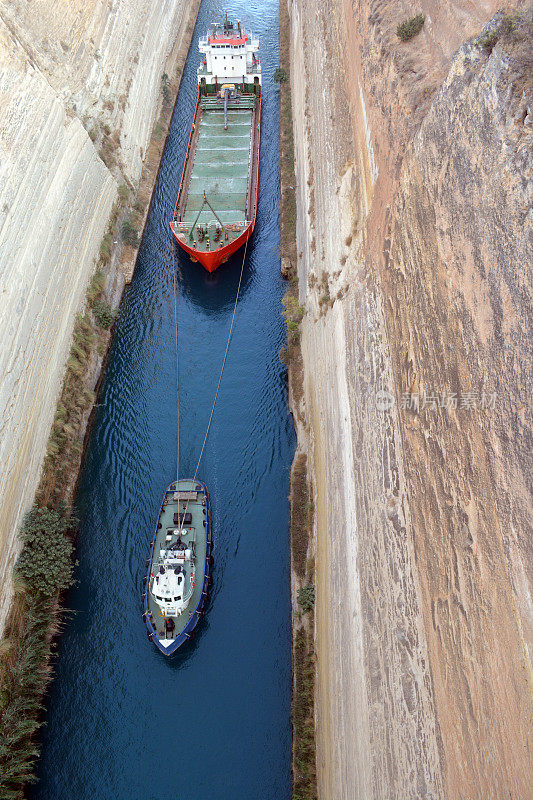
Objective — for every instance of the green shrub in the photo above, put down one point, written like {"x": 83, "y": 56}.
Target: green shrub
{"x": 130, "y": 234}
{"x": 280, "y": 76}
{"x": 104, "y": 315}
{"x": 45, "y": 563}
{"x": 410, "y": 27}
{"x": 488, "y": 41}
{"x": 293, "y": 312}
{"x": 306, "y": 598}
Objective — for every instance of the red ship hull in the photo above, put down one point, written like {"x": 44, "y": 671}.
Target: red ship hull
{"x": 212, "y": 259}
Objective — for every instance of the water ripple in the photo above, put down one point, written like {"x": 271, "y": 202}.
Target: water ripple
{"x": 119, "y": 711}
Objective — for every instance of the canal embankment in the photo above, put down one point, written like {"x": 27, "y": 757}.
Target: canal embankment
{"x": 412, "y": 163}
{"x": 102, "y": 188}
{"x": 301, "y": 494}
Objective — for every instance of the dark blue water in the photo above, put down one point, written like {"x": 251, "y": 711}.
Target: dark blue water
{"x": 123, "y": 721}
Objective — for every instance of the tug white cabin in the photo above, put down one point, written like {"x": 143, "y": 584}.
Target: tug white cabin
{"x": 173, "y": 582}
{"x": 229, "y": 57}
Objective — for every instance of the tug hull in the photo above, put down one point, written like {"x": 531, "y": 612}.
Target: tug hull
{"x": 185, "y": 513}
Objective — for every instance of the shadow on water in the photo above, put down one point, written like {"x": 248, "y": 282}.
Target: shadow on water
{"x": 123, "y": 721}
{"x": 214, "y": 293}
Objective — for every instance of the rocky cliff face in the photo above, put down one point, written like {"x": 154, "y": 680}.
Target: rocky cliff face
{"x": 414, "y": 181}
{"x": 104, "y": 60}
{"x": 65, "y": 69}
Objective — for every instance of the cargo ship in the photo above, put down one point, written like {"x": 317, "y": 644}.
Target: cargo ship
{"x": 217, "y": 199}
{"x": 176, "y": 587}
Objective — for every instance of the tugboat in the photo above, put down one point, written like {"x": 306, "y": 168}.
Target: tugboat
{"x": 176, "y": 588}
{"x": 217, "y": 199}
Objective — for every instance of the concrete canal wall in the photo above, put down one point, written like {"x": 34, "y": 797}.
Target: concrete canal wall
{"x": 73, "y": 75}
{"x": 413, "y": 167}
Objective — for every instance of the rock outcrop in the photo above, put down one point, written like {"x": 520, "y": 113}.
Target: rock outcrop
{"x": 414, "y": 174}
{"x": 67, "y": 71}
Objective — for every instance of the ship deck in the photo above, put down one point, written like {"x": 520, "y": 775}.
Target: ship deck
{"x": 219, "y": 165}
{"x": 194, "y": 533}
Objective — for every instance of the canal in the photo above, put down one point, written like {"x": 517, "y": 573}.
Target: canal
{"x": 123, "y": 721}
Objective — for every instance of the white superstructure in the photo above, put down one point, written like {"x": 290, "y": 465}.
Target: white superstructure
{"x": 229, "y": 55}
{"x": 173, "y": 582}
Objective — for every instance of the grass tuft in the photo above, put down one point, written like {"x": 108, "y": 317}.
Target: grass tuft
{"x": 45, "y": 565}
{"x": 130, "y": 234}
{"x": 303, "y": 719}
{"x": 488, "y": 41}
{"x": 104, "y": 315}
{"x": 301, "y": 514}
